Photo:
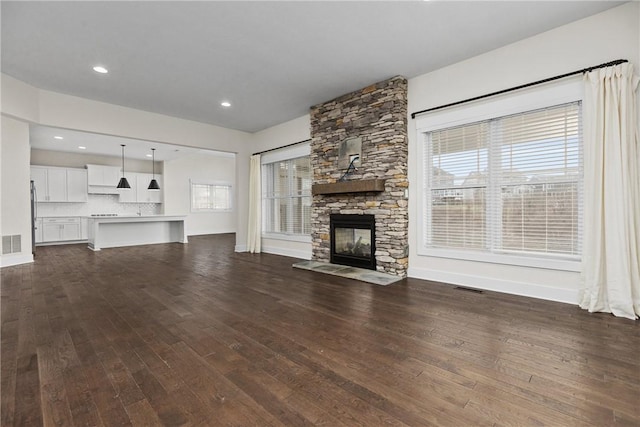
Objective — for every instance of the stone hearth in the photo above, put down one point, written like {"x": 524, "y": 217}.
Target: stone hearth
{"x": 378, "y": 115}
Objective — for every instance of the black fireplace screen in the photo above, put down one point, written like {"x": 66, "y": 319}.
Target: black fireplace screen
{"x": 353, "y": 240}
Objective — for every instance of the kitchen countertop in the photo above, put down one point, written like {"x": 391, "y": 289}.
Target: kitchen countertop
{"x": 138, "y": 217}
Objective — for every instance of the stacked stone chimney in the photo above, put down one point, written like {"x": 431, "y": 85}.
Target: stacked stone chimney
{"x": 378, "y": 115}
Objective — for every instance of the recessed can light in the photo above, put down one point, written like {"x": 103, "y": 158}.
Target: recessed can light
{"x": 58, "y": 137}
{"x": 148, "y": 155}
{"x": 81, "y": 147}
{"x": 100, "y": 69}
{"x": 225, "y": 104}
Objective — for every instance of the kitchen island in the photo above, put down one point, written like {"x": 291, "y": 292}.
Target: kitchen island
{"x": 117, "y": 231}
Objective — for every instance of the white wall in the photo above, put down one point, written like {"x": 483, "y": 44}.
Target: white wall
{"x": 601, "y": 38}
{"x": 202, "y": 168}
{"x": 19, "y": 100}
{"x": 14, "y": 183}
{"x": 285, "y": 133}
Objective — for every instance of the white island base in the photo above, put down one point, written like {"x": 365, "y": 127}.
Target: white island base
{"x": 117, "y": 231}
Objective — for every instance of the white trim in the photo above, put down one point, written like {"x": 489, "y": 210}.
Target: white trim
{"x": 206, "y": 233}
{"x": 568, "y": 296}
{"x": 304, "y": 238}
{"x": 11, "y": 260}
{"x": 286, "y": 252}
{"x": 210, "y": 183}
{"x": 61, "y": 242}
{"x": 557, "y": 94}
{"x": 546, "y": 261}
{"x": 241, "y": 248}
{"x": 287, "y": 153}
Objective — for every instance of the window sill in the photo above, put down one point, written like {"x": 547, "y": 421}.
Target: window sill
{"x": 534, "y": 261}
{"x": 303, "y": 238}
{"x": 211, "y": 211}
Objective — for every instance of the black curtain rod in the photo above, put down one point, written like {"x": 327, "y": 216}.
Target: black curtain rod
{"x": 284, "y": 146}
{"x": 500, "y": 92}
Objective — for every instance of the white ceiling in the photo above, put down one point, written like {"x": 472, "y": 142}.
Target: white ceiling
{"x": 271, "y": 60}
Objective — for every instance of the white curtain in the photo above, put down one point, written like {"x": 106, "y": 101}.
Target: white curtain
{"x": 255, "y": 206}
{"x": 611, "y": 245}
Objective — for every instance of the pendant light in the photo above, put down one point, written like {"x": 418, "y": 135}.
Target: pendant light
{"x": 123, "y": 184}
{"x": 153, "y": 185}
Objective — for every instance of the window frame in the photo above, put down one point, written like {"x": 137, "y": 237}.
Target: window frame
{"x": 271, "y": 158}
{"x": 532, "y": 99}
{"x": 210, "y": 184}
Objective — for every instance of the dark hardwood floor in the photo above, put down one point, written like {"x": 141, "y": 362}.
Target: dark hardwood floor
{"x": 198, "y": 335}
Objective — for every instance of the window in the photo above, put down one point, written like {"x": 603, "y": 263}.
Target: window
{"x": 509, "y": 185}
{"x": 286, "y": 186}
{"x": 210, "y": 197}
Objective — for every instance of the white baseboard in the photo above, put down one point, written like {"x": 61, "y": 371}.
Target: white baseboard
{"x": 287, "y": 252}
{"x": 61, "y": 242}
{"x": 10, "y": 260}
{"x": 241, "y": 248}
{"x": 206, "y": 233}
{"x": 569, "y": 296}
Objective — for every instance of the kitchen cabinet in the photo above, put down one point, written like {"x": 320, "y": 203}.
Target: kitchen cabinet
{"x": 138, "y": 193}
{"x": 60, "y": 229}
{"x": 55, "y": 184}
{"x": 77, "y": 185}
{"x": 38, "y": 231}
{"x": 105, "y": 176}
{"x": 39, "y": 178}
{"x": 129, "y": 195}
{"x": 50, "y": 183}
{"x": 144, "y": 195}
{"x": 83, "y": 228}
{"x": 103, "y": 179}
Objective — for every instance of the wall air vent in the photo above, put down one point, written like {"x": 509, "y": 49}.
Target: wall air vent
{"x": 11, "y": 244}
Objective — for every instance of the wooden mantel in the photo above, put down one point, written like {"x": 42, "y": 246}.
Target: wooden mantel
{"x": 360, "y": 186}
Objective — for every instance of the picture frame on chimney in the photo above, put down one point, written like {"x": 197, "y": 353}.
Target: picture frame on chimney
{"x": 348, "y": 150}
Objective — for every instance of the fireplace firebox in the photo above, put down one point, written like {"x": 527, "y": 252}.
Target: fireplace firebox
{"x": 353, "y": 240}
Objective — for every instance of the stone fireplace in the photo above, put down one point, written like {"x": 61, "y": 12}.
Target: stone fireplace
{"x": 376, "y": 116}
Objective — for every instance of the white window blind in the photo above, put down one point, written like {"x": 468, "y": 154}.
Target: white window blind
{"x": 511, "y": 184}
{"x": 210, "y": 197}
{"x": 287, "y": 196}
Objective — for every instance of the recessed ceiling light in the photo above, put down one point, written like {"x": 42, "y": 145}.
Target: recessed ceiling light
{"x": 58, "y": 137}
{"x": 225, "y": 104}
{"x": 81, "y": 147}
{"x": 100, "y": 69}
{"x": 148, "y": 155}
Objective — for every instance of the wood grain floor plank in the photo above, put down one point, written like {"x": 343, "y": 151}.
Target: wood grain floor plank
{"x": 196, "y": 334}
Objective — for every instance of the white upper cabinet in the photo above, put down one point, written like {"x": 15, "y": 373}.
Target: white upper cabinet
{"x": 39, "y": 178}
{"x": 59, "y": 184}
{"x": 77, "y": 185}
{"x": 144, "y": 194}
{"x": 129, "y": 195}
{"x": 139, "y": 193}
{"x": 56, "y": 185}
{"x": 103, "y": 175}
{"x": 103, "y": 179}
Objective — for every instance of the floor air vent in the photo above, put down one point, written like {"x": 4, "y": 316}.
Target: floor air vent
{"x": 11, "y": 244}
{"x": 462, "y": 288}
